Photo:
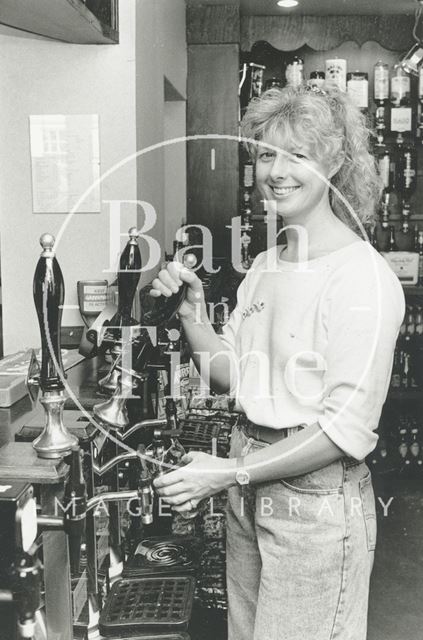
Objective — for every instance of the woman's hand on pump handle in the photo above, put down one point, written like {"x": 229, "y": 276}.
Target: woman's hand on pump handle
{"x": 170, "y": 280}
{"x": 201, "y": 476}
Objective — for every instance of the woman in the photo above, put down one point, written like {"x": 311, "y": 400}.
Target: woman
{"x": 311, "y": 345}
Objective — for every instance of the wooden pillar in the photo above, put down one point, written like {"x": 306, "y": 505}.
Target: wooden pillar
{"x": 213, "y": 34}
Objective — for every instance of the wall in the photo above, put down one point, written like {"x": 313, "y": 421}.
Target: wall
{"x": 161, "y": 52}
{"x": 124, "y": 85}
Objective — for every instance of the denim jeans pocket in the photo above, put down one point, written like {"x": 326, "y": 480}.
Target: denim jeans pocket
{"x": 325, "y": 481}
{"x": 369, "y": 510}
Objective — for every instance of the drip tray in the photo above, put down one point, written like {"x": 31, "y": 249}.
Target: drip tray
{"x": 172, "y": 555}
{"x": 140, "y": 605}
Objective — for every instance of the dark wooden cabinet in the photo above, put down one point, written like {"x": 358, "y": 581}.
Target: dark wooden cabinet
{"x": 90, "y": 22}
{"x": 212, "y": 128}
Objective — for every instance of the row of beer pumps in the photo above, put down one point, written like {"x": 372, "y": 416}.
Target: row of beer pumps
{"x": 92, "y": 449}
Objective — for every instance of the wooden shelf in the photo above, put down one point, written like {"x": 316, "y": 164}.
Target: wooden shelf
{"x": 405, "y": 395}
{"x": 413, "y": 290}
{"x": 64, "y": 20}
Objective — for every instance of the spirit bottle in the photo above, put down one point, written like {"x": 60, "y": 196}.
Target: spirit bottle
{"x": 392, "y": 241}
{"x": 420, "y": 107}
{"x": 381, "y": 98}
{"x": 406, "y": 176}
{"x": 401, "y": 112}
{"x": 420, "y": 245}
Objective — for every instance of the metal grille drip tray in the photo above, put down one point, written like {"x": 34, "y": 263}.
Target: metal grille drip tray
{"x": 148, "y": 604}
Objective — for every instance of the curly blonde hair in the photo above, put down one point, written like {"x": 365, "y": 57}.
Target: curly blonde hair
{"x": 334, "y": 130}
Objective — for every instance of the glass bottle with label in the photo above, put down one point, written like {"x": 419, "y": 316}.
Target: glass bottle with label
{"x": 294, "y": 72}
{"x": 317, "y": 79}
{"x": 401, "y": 112}
{"x": 392, "y": 240}
{"x": 381, "y": 98}
{"x": 358, "y": 89}
{"x": 420, "y": 107}
{"x": 420, "y": 258}
{"x": 405, "y": 237}
{"x": 396, "y": 375}
{"x": 386, "y": 166}
{"x": 406, "y": 176}
{"x": 416, "y": 238}
{"x": 418, "y": 340}
{"x": 383, "y": 236}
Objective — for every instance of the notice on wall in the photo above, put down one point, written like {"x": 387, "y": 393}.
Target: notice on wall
{"x": 65, "y": 162}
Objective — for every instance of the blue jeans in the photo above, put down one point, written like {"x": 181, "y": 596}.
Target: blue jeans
{"x": 300, "y": 553}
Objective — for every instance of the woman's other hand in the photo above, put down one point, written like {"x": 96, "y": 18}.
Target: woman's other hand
{"x": 201, "y": 476}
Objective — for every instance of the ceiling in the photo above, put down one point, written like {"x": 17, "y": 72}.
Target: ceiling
{"x": 320, "y": 7}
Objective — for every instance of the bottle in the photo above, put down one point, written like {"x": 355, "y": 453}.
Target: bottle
{"x": 248, "y": 173}
{"x": 401, "y": 112}
{"x": 409, "y": 349}
{"x": 410, "y": 336}
{"x": 406, "y": 175}
{"x": 336, "y": 72}
{"x": 403, "y": 456}
{"x": 255, "y": 83}
{"x": 418, "y": 349}
{"x": 396, "y": 370}
{"x": 420, "y": 246}
{"x": 386, "y": 167}
{"x": 420, "y": 107}
{"x": 416, "y": 459}
{"x": 245, "y": 249}
{"x": 358, "y": 89}
{"x": 405, "y": 240}
{"x": 385, "y": 221}
{"x": 406, "y": 381}
{"x": 400, "y": 87}
{"x": 392, "y": 241}
{"x": 381, "y": 83}
{"x": 416, "y": 238}
{"x": 271, "y": 83}
{"x": 294, "y": 72}
{"x": 381, "y": 98}
{"x": 317, "y": 79}
{"x": 182, "y": 238}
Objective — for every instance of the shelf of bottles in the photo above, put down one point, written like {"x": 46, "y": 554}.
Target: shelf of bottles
{"x": 407, "y": 371}
{"x": 393, "y": 107}
{"x": 397, "y": 461}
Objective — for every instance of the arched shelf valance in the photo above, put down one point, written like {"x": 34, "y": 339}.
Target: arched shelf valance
{"x": 322, "y": 33}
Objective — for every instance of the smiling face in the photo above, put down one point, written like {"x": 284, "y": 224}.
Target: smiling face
{"x": 287, "y": 174}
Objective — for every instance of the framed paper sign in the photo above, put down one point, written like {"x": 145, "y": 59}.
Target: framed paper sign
{"x": 65, "y": 162}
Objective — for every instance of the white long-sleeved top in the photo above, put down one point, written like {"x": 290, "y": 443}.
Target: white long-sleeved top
{"x": 314, "y": 342}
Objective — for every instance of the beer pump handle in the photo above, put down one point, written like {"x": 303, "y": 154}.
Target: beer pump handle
{"x": 166, "y": 309}
{"x": 127, "y": 279}
{"x": 49, "y": 295}
{"x": 75, "y": 507}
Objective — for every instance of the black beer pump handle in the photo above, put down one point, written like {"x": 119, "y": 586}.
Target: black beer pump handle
{"x": 49, "y": 295}
{"x": 128, "y": 277}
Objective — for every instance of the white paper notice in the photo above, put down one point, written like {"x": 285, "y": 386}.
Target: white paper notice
{"x": 65, "y": 159}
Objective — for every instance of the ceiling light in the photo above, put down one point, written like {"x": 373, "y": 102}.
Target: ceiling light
{"x": 287, "y": 4}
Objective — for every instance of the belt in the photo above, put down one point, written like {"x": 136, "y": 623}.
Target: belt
{"x": 265, "y": 434}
